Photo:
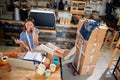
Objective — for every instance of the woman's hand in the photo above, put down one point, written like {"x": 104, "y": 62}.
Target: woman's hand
{"x": 18, "y": 41}
{"x": 24, "y": 45}
{"x": 33, "y": 30}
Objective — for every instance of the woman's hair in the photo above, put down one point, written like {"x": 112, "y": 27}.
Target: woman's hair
{"x": 27, "y": 20}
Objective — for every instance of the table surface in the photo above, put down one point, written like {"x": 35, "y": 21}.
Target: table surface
{"x": 14, "y": 73}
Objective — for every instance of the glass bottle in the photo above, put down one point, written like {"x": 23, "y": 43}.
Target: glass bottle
{"x": 66, "y": 5}
{"x": 55, "y": 4}
{"x": 61, "y": 5}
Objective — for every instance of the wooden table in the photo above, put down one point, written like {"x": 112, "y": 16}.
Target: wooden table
{"x": 13, "y": 73}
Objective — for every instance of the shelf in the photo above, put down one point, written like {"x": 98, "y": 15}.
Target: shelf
{"x": 12, "y": 34}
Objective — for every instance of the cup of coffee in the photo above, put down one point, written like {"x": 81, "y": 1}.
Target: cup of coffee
{"x": 52, "y": 67}
{"x": 55, "y": 60}
{"x": 47, "y": 73}
{"x": 41, "y": 69}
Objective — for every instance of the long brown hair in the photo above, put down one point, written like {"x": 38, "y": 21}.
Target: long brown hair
{"x": 27, "y": 20}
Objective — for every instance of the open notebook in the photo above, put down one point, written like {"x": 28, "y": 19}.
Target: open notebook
{"x": 33, "y": 56}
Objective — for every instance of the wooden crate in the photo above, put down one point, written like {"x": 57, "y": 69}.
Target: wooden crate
{"x": 87, "y": 52}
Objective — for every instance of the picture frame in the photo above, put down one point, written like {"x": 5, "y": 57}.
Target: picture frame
{"x": 96, "y": 1}
{"x": 78, "y": 7}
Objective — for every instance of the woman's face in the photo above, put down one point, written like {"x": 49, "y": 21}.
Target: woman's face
{"x": 29, "y": 26}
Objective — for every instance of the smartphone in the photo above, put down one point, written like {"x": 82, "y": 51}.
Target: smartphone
{"x": 31, "y": 30}
{"x": 13, "y": 38}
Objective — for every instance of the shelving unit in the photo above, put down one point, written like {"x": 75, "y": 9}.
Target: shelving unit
{"x": 9, "y": 30}
{"x": 1, "y": 36}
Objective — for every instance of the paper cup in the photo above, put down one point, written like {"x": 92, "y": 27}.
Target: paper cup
{"x": 4, "y": 59}
{"x": 52, "y": 67}
{"x": 55, "y": 60}
{"x": 47, "y": 73}
{"x": 41, "y": 69}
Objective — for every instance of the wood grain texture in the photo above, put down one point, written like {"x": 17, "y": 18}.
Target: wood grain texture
{"x": 13, "y": 73}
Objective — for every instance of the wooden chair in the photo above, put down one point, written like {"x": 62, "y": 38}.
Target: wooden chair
{"x": 116, "y": 50}
{"x": 112, "y": 39}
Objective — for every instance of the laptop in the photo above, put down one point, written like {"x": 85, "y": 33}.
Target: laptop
{"x": 21, "y": 63}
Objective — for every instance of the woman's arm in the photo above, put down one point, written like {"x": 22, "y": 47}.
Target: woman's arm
{"x": 22, "y": 44}
{"x": 36, "y": 42}
{"x": 35, "y": 35}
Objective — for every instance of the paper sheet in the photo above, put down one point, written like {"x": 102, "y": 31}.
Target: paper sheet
{"x": 35, "y": 56}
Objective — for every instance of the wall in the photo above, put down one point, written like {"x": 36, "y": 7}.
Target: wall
{"x": 103, "y": 7}
{"x": 98, "y": 7}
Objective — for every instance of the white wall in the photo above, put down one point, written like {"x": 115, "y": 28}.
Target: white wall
{"x": 98, "y": 7}
{"x": 103, "y": 7}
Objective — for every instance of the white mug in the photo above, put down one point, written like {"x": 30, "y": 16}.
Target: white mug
{"x": 47, "y": 73}
{"x": 41, "y": 69}
{"x": 52, "y": 67}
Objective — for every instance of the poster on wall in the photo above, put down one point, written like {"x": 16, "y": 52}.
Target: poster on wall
{"x": 78, "y": 6}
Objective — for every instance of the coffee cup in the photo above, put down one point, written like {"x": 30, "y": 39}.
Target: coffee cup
{"x": 41, "y": 69}
{"x": 47, "y": 73}
{"x": 52, "y": 67}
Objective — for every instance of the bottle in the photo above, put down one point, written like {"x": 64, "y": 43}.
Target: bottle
{"x": 55, "y": 5}
{"x": 61, "y": 5}
{"x": 66, "y": 5}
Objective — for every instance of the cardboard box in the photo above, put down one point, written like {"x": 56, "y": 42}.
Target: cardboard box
{"x": 87, "y": 52}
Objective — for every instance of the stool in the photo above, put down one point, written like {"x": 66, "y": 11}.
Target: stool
{"x": 112, "y": 39}
{"x": 117, "y": 49}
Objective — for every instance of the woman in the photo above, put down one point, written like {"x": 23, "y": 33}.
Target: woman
{"x": 29, "y": 36}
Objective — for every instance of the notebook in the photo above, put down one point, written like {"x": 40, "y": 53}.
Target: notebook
{"x": 21, "y": 63}
{"x": 33, "y": 56}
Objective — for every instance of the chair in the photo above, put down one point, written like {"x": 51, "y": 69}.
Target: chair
{"x": 116, "y": 50}
{"x": 114, "y": 31}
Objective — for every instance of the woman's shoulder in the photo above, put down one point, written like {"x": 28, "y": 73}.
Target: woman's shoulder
{"x": 37, "y": 31}
{"x": 22, "y": 33}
